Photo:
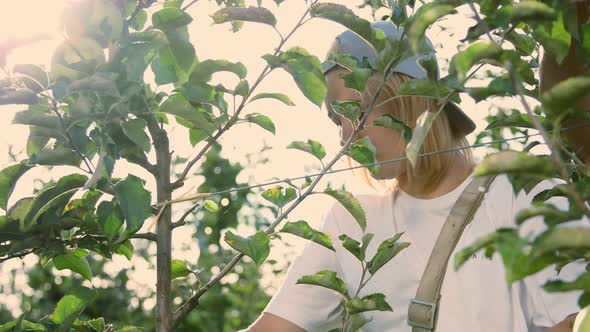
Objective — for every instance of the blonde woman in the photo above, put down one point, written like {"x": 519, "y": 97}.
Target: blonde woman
{"x": 474, "y": 298}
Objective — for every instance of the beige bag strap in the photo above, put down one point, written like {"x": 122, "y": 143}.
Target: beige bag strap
{"x": 422, "y": 312}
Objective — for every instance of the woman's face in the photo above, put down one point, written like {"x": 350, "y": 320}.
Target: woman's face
{"x": 388, "y": 143}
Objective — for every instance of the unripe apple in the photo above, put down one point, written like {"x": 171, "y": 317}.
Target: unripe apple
{"x": 582, "y": 322}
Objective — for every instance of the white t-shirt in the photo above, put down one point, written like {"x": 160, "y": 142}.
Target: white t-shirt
{"x": 474, "y": 298}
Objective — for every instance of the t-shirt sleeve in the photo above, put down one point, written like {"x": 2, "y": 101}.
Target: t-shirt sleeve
{"x": 544, "y": 309}
{"x": 310, "y": 307}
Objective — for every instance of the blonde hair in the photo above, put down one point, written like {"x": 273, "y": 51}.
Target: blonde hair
{"x": 430, "y": 170}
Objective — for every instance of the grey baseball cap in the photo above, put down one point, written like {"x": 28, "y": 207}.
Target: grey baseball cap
{"x": 352, "y": 44}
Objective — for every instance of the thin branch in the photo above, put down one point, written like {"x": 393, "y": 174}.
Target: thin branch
{"x": 147, "y": 236}
{"x": 180, "y": 181}
{"x": 181, "y": 221}
{"x": 19, "y": 255}
{"x": 190, "y": 4}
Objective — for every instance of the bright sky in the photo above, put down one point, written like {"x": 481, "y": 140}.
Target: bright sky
{"x": 31, "y": 17}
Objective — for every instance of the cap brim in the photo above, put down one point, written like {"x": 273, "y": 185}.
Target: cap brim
{"x": 458, "y": 119}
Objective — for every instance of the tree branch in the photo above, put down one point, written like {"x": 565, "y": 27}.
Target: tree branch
{"x": 181, "y": 221}
{"x": 18, "y": 255}
{"x": 164, "y": 227}
{"x": 180, "y": 181}
{"x": 147, "y": 236}
{"x": 190, "y": 4}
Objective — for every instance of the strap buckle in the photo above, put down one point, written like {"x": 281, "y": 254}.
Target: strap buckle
{"x": 430, "y": 324}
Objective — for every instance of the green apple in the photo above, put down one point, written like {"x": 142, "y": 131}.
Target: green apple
{"x": 582, "y": 322}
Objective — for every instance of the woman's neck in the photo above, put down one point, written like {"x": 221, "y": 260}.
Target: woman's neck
{"x": 456, "y": 174}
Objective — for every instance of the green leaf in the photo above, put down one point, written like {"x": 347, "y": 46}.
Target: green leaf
{"x": 179, "y": 106}
{"x": 250, "y": 14}
{"x": 532, "y": 10}
{"x": 26, "y": 326}
{"x": 462, "y": 62}
{"x": 351, "y": 204}
{"x": 39, "y": 119}
{"x": 566, "y": 93}
{"x": 165, "y": 67}
{"x": 203, "y": 71}
{"x": 365, "y": 243}
{"x": 524, "y": 44}
{"x": 102, "y": 83}
{"x": 135, "y": 130}
{"x": 211, "y": 206}
{"x": 261, "y": 120}
{"x": 183, "y": 50}
{"x": 424, "y": 17}
{"x": 9, "y": 96}
{"x": 516, "y": 163}
{"x": 357, "y": 321}
{"x": 279, "y": 198}
{"x": 396, "y": 51}
{"x": 18, "y": 210}
{"x": 199, "y": 92}
{"x": 242, "y": 89}
{"x": 305, "y": 69}
{"x": 256, "y": 246}
{"x": 352, "y": 245}
{"x": 135, "y": 204}
{"x": 313, "y": 147}
{"x": 56, "y": 157}
{"x": 368, "y": 303}
{"x": 346, "y": 17}
{"x": 348, "y": 109}
{"x": 582, "y": 282}
{"x": 170, "y": 19}
{"x": 363, "y": 151}
{"x": 551, "y": 214}
{"x": 73, "y": 304}
{"x": 110, "y": 217}
{"x": 302, "y": 229}
{"x": 179, "y": 269}
{"x": 392, "y": 123}
{"x": 357, "y": 78}
{"x": 53, "y": 196}
{"x": 97, "y": 324}
{"x": 278, "y": 96}
{"x": 126, "y": 249}
{"x": 73, "y": 262}
{"x": 561, "y": 238}
{"x": 499, "y": 86}
{"x": 427, "y": 88}
{"x": 517, "y": 120}
{"x": 556, "y": 40}
{"x": 422, "y": 128}
{"x": 8, "y": 178}
{"x": 34, "y": 77}
{"x": 196, "y": 135}
{"x": 462, "y": 256}
{"x": 387, "y": 250}
{"x": 326, "y": 279}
